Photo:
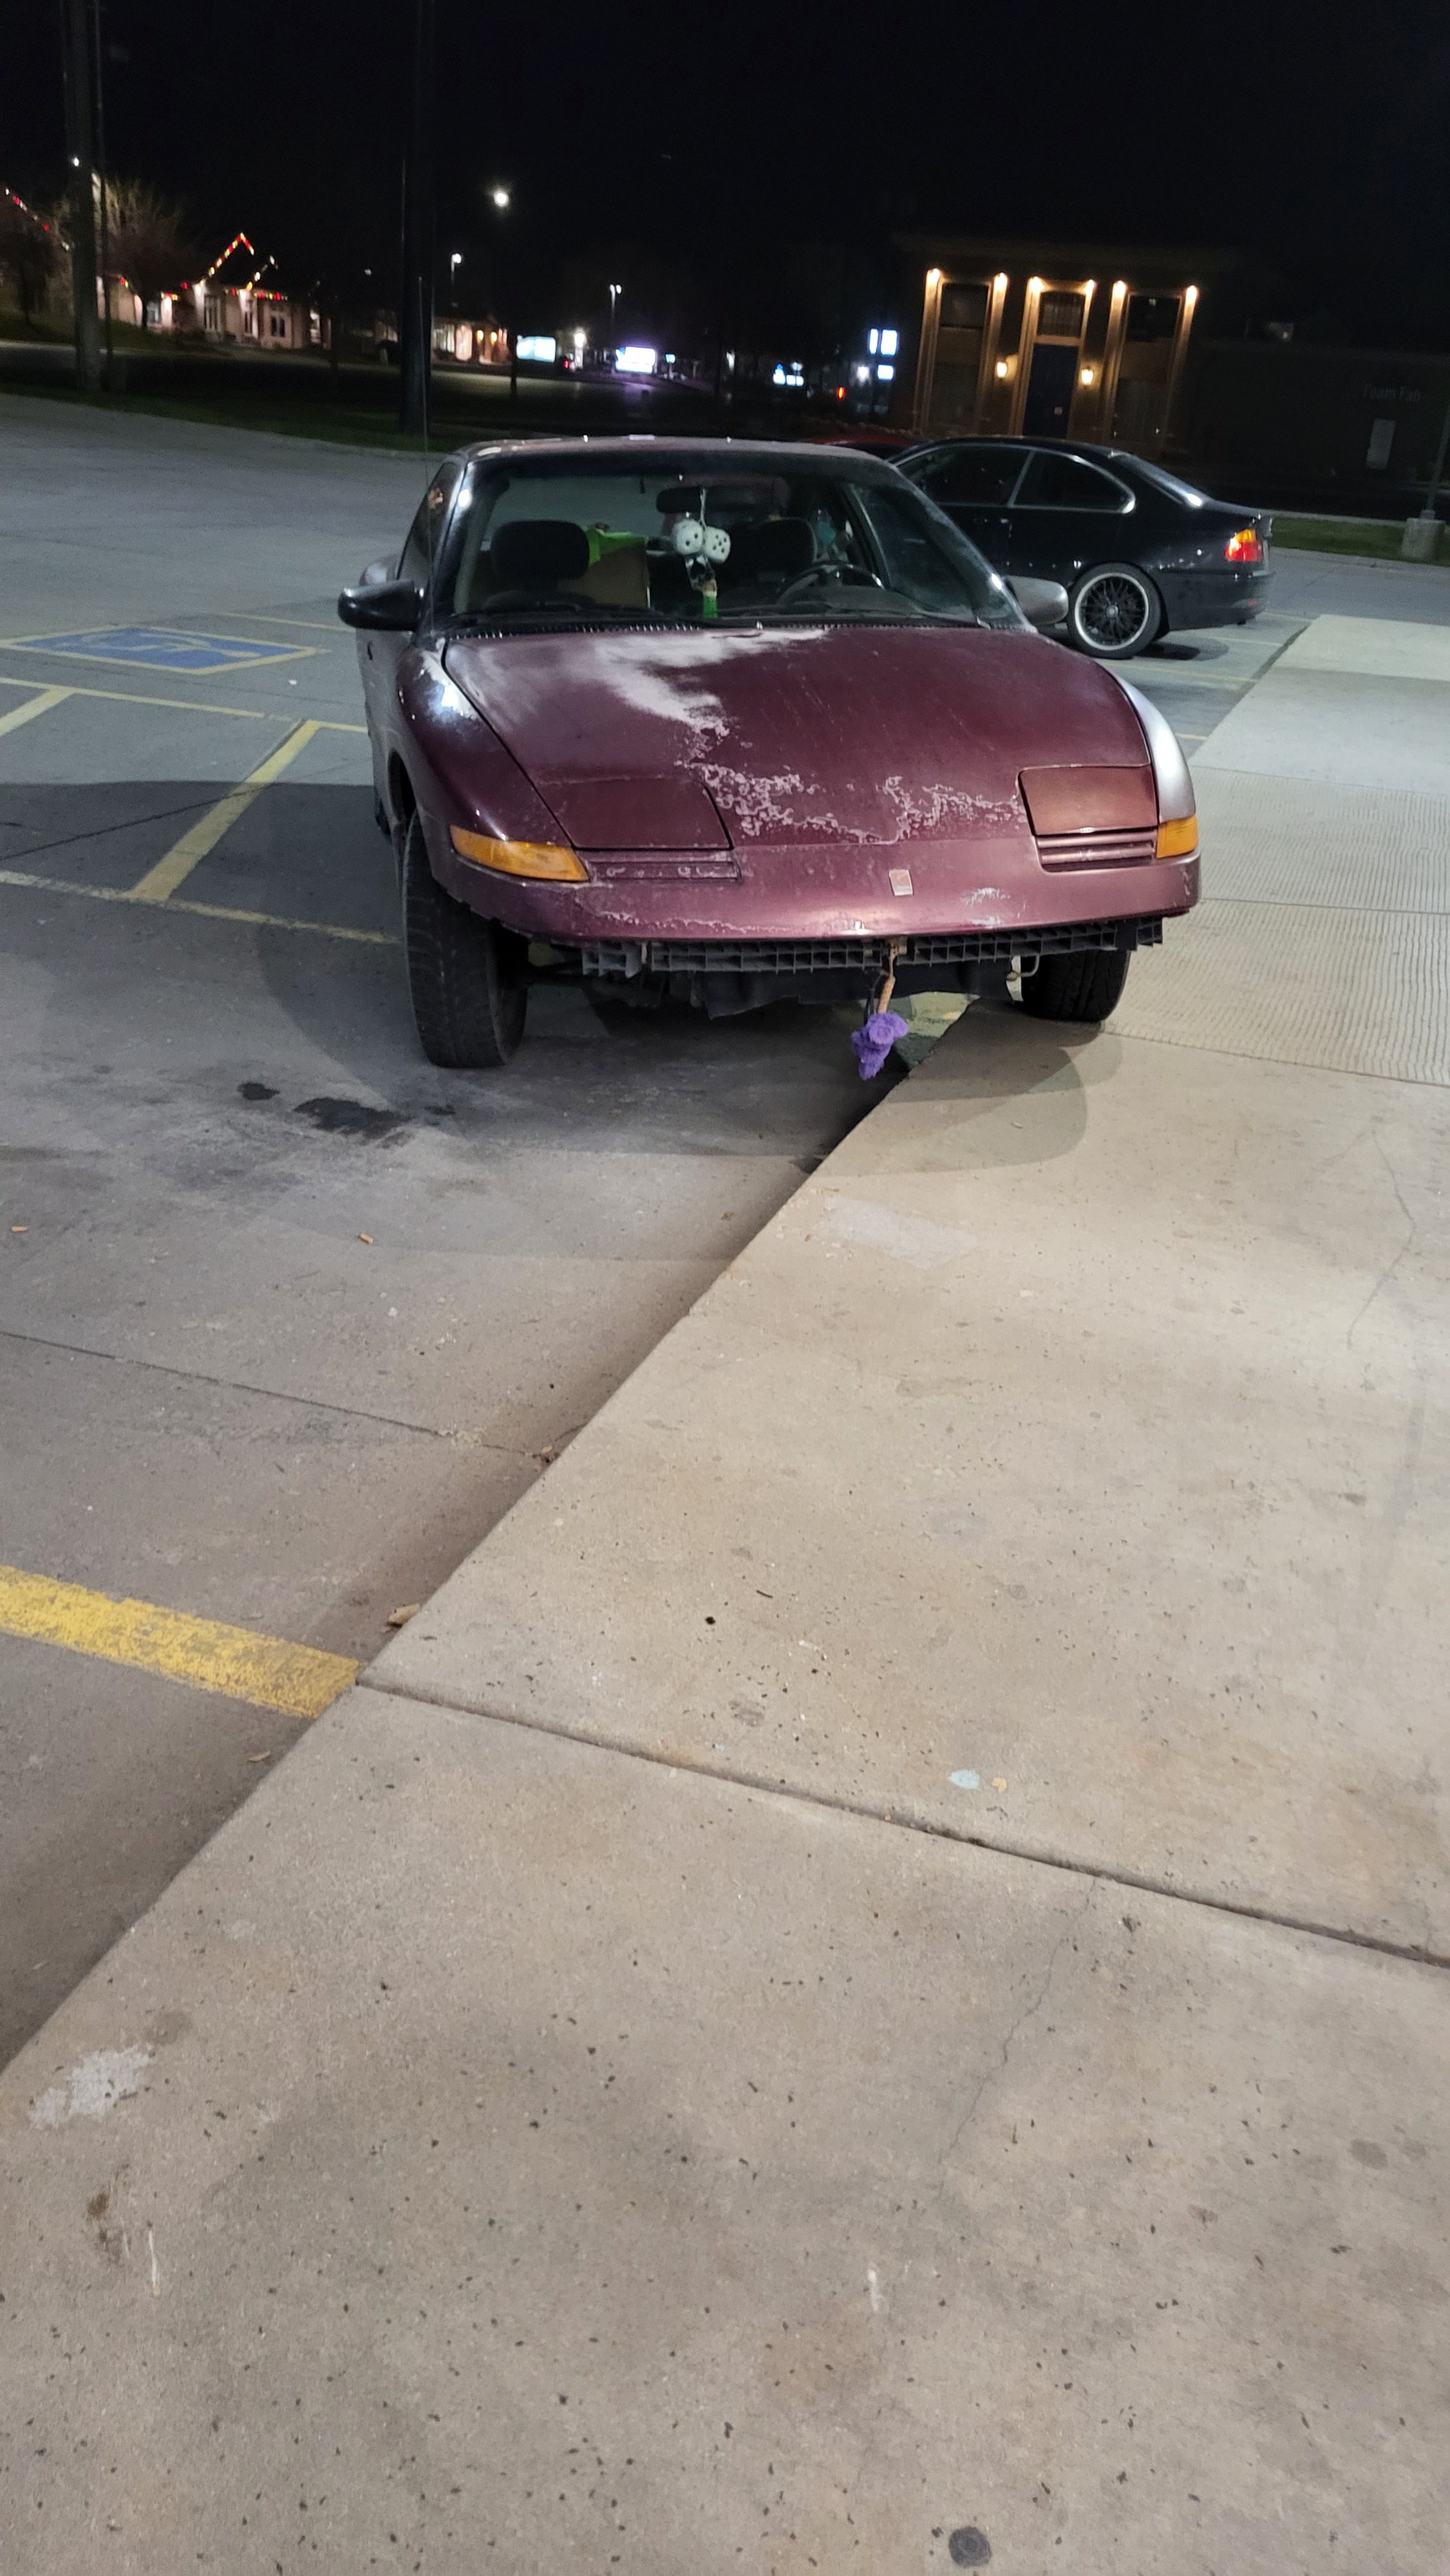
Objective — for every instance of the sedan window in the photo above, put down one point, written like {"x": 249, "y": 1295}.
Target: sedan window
{"x": 974, "y": 473}
{"x": 1057, "y": 482}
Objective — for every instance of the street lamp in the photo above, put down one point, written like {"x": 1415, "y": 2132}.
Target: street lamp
{"x": 500, "y": 197}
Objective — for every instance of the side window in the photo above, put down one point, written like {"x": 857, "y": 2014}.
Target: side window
{"x": 972, "y": 474}
{"x": 1069, "y": 483}
{"x": 416, "y": 560}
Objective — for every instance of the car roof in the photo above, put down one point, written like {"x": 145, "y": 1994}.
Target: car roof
{"x": 789, "y": 451}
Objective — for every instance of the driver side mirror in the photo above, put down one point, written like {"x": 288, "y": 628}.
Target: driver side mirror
{"x": 392, "y": 607}
{"x": 1043, "y": 603}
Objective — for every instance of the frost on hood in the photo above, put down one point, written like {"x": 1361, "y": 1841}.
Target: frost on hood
{"x": 922, "y": 812}
{"x": 758, "y": 805}
{"x": 653, "y": 674}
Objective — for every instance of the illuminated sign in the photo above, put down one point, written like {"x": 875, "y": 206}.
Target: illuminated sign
{"x": 539, "y": 345}
{"x": 635, "y": 361}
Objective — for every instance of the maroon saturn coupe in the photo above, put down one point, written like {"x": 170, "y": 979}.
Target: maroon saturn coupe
{"x": 740, "y": 722}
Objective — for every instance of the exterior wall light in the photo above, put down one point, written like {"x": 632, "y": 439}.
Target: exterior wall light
{"x": 933, "y": 277}
{"x": 1085, "y": 375}
{"x": 1003, "y": 369}
{"x": 1000, "y": 281}
{"x": 1191, "y": 295}
{"x": 1034, "y": 286}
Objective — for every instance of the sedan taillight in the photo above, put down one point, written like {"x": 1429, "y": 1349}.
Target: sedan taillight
{"x": 1244, "y": 547}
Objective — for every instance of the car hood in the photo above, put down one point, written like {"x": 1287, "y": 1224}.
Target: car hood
{"x": 782, "y": 736}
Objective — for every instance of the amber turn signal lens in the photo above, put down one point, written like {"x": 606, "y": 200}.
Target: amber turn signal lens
{"x": 521, "y": 858}
{"x": 1244, "y": 547}
{"x": 1178, "y": 840}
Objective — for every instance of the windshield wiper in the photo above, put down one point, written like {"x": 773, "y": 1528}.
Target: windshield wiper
{"x": 564, "y": 613}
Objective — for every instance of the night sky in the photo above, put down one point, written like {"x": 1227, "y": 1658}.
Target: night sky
{"x": 684, "y": 147}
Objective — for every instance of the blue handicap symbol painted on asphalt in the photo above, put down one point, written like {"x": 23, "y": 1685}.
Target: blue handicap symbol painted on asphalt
{"x": 162, "y": 648}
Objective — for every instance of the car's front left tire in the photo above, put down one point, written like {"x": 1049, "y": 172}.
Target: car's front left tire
{"x": 1114, "y": 611}
{"x": 1083, "y": 986}
{"x": 468, "y": 999}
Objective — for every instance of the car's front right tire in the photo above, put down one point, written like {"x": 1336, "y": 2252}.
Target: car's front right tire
{"x": 1085, "y": 985}
{"x": 468, "y": 1001}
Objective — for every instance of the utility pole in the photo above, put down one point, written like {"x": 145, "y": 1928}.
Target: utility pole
{"x": 100, "y": 61}
{"x": 415, "y": 289}
{"x": 76, "y": 56}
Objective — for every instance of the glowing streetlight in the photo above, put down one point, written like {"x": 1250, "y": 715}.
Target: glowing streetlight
{"x": 501, "y": 197}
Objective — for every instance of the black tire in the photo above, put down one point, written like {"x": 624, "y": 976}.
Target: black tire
{"x": 1114, "y": 611}
{"x": 1084, "y": 986}
{"x": 469, "y": 1007}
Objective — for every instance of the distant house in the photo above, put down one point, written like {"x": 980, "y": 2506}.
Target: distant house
{"x": 229, "y": 301}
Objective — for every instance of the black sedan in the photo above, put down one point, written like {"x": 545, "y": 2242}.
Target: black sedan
{"x": 1137, "y": 551}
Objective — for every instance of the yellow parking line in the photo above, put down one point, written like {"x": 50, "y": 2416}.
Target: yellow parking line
{"x": 187, "y": 706}
{"x": 40, "y": 706}
{"x": 296, "y": 1681}
{"x": 160, "y": 883}
{"x": 207, "y": 911}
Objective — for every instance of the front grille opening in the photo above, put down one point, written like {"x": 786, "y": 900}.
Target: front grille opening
{"x": 805, "y": 957}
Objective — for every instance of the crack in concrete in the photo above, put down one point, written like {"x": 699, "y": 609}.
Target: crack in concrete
{"x": 1388, "y": 1272}
{"x": 274, "y": 1395}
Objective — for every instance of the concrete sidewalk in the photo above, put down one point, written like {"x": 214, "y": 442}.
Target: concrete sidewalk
{"x": 950, "y": 2061}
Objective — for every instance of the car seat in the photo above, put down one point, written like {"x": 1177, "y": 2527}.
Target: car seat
{"x": 536, "y": 556}
{"x": 769, "y": 553}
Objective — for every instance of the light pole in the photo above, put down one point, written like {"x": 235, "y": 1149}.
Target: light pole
{"x": 1421, "y": 540}
{"x": 415, "y": 298}
{"x": 615, "y": 293}
{"x": 79, "y": 98}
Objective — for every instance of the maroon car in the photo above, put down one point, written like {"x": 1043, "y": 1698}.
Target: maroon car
{"x": 738, "y": 722}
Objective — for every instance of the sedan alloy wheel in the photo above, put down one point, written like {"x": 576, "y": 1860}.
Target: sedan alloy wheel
{"x": 1114, "y": 611}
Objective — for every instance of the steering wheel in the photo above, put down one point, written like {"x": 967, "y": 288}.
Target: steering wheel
{"x": 852, "y": 576}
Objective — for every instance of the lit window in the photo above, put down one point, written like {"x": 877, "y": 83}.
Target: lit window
{"x": 889, "y": 341}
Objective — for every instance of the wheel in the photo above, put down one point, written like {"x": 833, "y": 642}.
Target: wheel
{"x": 469, "y": 1007}
{"x": 1083, "y": 986}
{"x": 1113, "y": 611}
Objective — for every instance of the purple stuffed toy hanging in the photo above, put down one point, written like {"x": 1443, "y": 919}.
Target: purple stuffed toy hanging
{"x": 874, "y": 1043}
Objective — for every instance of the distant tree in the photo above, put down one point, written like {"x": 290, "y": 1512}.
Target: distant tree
{"x": 150, "y": 242}
{"x": 29, "y": 254}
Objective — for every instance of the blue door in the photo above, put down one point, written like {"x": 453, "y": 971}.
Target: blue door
{"x": 1049, "y": 390}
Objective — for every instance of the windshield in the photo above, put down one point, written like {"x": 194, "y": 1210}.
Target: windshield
{"x": 688, "y": 540}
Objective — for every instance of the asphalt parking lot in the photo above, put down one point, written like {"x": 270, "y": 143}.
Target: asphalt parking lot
{"x": 288, "y": 1318}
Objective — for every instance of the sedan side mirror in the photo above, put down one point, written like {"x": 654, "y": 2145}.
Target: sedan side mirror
{"x": 1043, "y": 603}
{"x": 394, "y": 607}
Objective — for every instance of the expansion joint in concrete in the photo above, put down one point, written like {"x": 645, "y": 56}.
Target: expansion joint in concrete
{"x": 1141, "y": 1882}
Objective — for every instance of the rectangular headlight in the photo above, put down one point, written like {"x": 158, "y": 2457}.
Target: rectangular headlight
{"x": 546, "y": 860}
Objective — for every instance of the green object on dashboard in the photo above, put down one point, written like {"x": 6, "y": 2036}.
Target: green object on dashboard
{"x": 611, "y": 541}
